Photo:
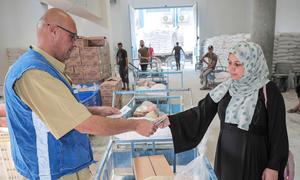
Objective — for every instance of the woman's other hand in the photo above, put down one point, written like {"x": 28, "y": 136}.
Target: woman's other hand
{"x": 270, "y": 174}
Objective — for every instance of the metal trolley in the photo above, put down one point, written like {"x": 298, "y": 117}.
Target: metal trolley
{"x": 117, "y": 160}
{"x": 158, "y": 75}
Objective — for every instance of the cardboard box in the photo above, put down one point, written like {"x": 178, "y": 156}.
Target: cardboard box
{"x": 104, "y": 50}
{"x": 110, "y": 85}
{"x": 90, "y": 60}
{"x": 104, "y": 60}
{"x": 89, "y": 51}
{"x": 69, "y": 70}
{"x": 75, "y": 52}
{"x": 105, "y": 71}
{"x": 81, "y": 42}
{"x": 151, "y": 166}
{"x": 90, "y": 57}
{"x": 73, "y": 61}
{"x": 105, "y": 75}
{"x": 91, "y": 73}
{"x": 108, "y": 102}
{"x": 97, "y": 41}
{"x": 77, "y": 77}
{"x": 109, "y": 98}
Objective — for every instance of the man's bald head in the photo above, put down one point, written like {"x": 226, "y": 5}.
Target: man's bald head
{"x": 56, "y": 33}
{"x": 59, "y": 17}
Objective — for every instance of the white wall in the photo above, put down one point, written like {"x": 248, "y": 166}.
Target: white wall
{"x": 18, "y": 22}
{"x": 18, "y": 19}
{"x": 215, "y": 17}
{"x": 287, "y": 16}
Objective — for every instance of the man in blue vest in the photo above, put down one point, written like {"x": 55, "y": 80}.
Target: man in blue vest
{"x": 48, "y": 127}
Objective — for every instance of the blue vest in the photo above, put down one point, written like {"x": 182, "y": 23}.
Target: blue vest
{"x": 35, "y": 151}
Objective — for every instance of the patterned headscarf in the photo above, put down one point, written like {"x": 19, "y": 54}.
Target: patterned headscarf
{"x": 244, "y": 92}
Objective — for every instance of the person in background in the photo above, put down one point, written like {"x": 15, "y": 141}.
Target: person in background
{"x": 122, "y": 61}
{"x": 211, "y": 65}
{"x": 143, "y": 56}
{"x": 151, "y": 54}
{"x": 296, "y": 109}
{"x": 253, "y": 141}
{"x": 177, "y": 50}
{"x": 48, "y": 127}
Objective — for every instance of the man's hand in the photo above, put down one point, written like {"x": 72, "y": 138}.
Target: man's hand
{"x": 162, "y": 121}
{"x": 269, "y": 174}
{"x": 145, "y": 127}
{"x": 103, "y": 110}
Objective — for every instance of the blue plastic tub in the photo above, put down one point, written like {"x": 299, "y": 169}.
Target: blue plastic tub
{"x": 89, "y": 98}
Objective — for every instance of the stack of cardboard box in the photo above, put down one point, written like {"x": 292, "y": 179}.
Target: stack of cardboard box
{"x": 89, "y": 61}
{"x": 13, "y": 54}
{"x": 107, "y": 88}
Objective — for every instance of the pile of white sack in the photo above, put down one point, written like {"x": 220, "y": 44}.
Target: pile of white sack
{"x": 222, "y": 45}
{"x": 287, "y": 50}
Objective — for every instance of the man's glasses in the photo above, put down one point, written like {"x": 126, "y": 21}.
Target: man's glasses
{"x": 74, "y": 36}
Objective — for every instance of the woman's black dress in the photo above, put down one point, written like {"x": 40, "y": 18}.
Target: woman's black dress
{"x": 240, "y": 155}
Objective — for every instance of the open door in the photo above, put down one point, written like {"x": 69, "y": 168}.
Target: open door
{"x": 134, "y": 48}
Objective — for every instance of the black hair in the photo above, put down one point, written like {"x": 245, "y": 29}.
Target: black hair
{"x": 120, "y": 44}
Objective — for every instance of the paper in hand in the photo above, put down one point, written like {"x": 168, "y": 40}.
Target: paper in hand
{"x": 160, "y": 120}
{"x": 123, "y": 111}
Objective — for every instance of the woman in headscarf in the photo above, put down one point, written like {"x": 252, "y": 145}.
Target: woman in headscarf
{"x": 253, "y": 142}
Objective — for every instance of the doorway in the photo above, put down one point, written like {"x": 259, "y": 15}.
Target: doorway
{"x": 161, "y": 28}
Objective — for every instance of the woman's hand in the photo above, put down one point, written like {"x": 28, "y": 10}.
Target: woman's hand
{"x": 269, "y": 174}
{"x": 162, "y": 121}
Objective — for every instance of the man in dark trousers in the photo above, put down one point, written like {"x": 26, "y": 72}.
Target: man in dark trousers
{"x": 177, "y": 50}
{"x": 143, "y": 56}
{"x": 122, "y": 61}
{"x": 211, "y": 65}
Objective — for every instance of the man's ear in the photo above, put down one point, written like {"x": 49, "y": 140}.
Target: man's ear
{"x": 53, "y": 31}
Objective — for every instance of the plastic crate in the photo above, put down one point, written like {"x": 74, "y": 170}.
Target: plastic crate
{"x": 5, "y": 157}
{"x": 90, "y": 98}
{"x": 88, "y": 94}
